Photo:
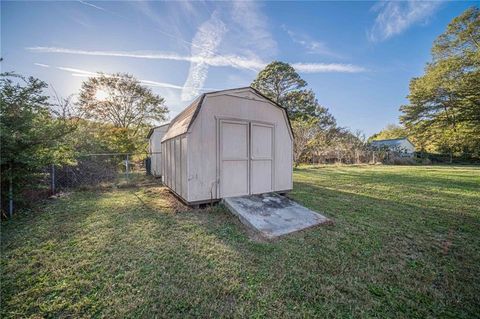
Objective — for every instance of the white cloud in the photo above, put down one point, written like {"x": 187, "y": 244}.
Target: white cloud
{"x": 253, "y": 28}
{"x": 233, "y": 61}
{"x": 161, "y": 84}
{"x": 129, "y": 54}
{"x": 77, "y": 71}
{"x": 214, "y": 60}
{"x": 327, "y": 67}
{"x": 311, "y": 46}
{"x": 204, "y": 45}
{"x": 84, "y": 73}
{"x": 92, "y": 5}
{"x": 145, "y": 8}
{"x": 171, "y": 19}
{"x": 42, "y": 65}
{"x": 395, "y": 17}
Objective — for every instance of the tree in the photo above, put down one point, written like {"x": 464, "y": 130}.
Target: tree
{"x": 94, "y": 137}
{"x": 302, "y": 104}
{"x": 120, "y": 99}
{"x": 313, "y": 125}
{"x": 391, "y": 131}
{"x": 316, "y": 133}
{"x": 280, "y": 82}
{"x": 461, "y": 38}
{"x": 123, "y": 108}
{"x": 304, "y": 132}
{"x": 444, "y": 108}
{"x": 278, "y": 79}
{"x": 32, "y": 132}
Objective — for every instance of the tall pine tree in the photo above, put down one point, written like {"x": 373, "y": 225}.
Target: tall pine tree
{"x": 444, "y": 110}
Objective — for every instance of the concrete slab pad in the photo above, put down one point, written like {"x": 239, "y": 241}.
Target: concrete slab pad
{"x": 273, "y": 215}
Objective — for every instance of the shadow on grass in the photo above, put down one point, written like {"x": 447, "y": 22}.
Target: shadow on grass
{"x": 118, "y": 254}
{"x": 114, "y": 254}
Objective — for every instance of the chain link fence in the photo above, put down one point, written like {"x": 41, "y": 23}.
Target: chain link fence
{"x": 93, "y": 171}
{"x": 99, "y": 170}
{"x": 129, "y": 169}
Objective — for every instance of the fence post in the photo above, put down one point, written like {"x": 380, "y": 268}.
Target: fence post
{"x": 52, "y": 179}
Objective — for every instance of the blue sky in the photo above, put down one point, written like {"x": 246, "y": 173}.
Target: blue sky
{"x": 358, "y": 57}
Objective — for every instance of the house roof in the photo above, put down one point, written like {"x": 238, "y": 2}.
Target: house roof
{"x": 185, "y": 119}
{"x": 150, "y": 132}
{"x": 390, "y": 142}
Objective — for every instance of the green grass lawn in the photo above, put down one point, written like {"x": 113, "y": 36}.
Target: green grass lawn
{"x": 405, "y": 243}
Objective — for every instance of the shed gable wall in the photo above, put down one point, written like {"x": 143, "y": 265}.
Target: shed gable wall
{"x": 202, "y": 146}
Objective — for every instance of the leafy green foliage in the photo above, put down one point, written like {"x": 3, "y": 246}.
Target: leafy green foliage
{"x": 121, "y": 100}
{"x": 303, "y": 104}
{"x": 461, "y": 38}
{"x": 305, "y": 131}
{"x": 123, "y": 106}
{"x": 278, "y": 79}
{"x": 94, "y": 137}
{"x": 313, "y": 125}
{"x": 391, "y": 131}
{"x": 281, "y": 83}
{"x": 32, "y": 134}
{"x": 444, "y": 110}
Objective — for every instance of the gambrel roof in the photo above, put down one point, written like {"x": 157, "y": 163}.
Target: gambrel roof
{"x": 182, "y": 123}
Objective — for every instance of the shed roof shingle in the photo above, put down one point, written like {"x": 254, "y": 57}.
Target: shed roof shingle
{"x": 181, "y": 123}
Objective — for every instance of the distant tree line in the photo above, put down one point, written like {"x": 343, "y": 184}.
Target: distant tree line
{"x": 443, "y": 116}
{"x": 443, "y": 113}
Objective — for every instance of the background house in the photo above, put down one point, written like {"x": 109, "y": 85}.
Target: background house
{"x": 402, "y": 146}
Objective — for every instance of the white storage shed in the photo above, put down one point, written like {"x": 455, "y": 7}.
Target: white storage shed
{"x": 228, "y": 143}
{"x": 155, "y": 136}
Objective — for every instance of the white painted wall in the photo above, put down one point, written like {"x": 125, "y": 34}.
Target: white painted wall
{"x": 406, "y": 145}
{"x": 202, "y": 146}
{"x": 174, "y": 155}
{"x": 155, "y": 149}
{"x": 403, "y": 146}
{"x": 191, "y": 160}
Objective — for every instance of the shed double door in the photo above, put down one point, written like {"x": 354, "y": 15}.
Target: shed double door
{"x": 246, "y": 158}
